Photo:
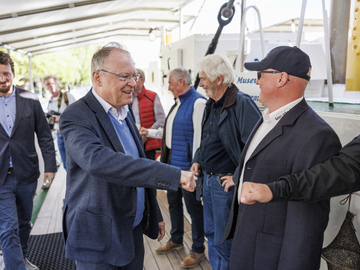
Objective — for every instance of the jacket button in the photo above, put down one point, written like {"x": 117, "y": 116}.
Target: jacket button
{"x": 134, "y": 188}
{"x": 133, "y": 216}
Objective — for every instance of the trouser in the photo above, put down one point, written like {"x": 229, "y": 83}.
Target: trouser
{"x": 217, "y": 205}
{"x": 16, "y": 204}
{"x": 136, "y": 264}
{"x": 195, "y": 210}
{"x": 61, "y": 146}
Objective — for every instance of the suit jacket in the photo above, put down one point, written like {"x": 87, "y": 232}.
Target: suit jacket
{"x": 29, "y": 119}
{"x": 100, "y": 201}
{"x": 282, "y": 235}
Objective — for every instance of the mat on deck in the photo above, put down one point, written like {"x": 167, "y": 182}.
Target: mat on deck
{"x": 47, "y": 252}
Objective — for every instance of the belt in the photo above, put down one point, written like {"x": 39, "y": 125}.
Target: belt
{"x": 10, "y": 170}
{"x": 219, "y": 175}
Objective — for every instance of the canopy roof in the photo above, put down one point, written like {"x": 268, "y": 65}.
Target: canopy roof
{"x": 42, "y": 26}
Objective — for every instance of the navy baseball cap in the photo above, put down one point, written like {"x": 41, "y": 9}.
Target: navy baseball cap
{"x": 287, "y": 59}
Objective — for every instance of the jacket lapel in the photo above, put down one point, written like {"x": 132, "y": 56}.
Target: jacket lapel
{"x": 289, "y": 119}
{"x": 104, "y": 121}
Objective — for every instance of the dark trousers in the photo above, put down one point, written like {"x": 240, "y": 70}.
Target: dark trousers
{"x": 16, "y": 204}
{"x": 150, "y": 154}
{"x": 195, "y": 210}
{"x": 61, "y": 146}
{"x": 136, "y": 264}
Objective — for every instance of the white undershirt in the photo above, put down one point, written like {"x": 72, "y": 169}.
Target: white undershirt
{"x": 269, "y": 122}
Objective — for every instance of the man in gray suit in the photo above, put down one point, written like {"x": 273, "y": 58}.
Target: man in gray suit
{"x": 21, "y": 116}
{"x": 288, "y": 138}
{"x": 110, "y": 191}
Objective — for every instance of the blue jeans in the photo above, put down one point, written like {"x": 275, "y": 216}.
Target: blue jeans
{"x": 136, "y": 264}
{"x": 16, "y": 204}
{"x": 217, "y": 205}
{"x": 61, "y": 146}
{"x": 195, "y": 210}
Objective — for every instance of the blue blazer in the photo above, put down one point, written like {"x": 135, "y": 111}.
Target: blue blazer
{"x": 20, "y": 145}
{"x": 100, "y": 201}
{"x": 282, "y": 235}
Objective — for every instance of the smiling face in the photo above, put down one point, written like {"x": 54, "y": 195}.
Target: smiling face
{"x": 6, "y": 80}
{"x": 206, "y": 84}
{"x": 111, "y": 88}
{"x": 267, "y": 84}
{"x": 175, "y": 86}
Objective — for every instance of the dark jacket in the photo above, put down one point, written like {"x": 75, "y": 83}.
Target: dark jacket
{"x": 283, "y": 235}
{"x": 101, "y": 197}
{"x": 237, "y": 119}
{"x": 29, "y": 119}
{"x": 337, "y": 176}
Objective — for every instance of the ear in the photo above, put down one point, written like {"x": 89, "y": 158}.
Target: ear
{"x": 97, "y": 78}
{"x": 219, "y": 80}
{"x": 181, "y": 81}
{"x": 284, "y": 77}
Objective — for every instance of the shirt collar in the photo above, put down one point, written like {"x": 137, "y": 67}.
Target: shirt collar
{"x": 275, "y": 116}
{"x": 123, "y": 111}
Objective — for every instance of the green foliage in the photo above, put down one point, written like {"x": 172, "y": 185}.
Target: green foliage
{"x": 71, "y": 66}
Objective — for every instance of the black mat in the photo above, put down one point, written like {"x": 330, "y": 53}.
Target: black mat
{"x": 47, "y": 252}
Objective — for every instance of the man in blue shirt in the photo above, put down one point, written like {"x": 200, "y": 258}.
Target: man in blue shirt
{"x": 21, "y": 116}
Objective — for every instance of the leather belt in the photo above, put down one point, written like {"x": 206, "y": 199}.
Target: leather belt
{"x": 10, "y": 170}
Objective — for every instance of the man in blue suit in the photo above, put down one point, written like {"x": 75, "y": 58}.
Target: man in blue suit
{"x": 288, "y": 138}
{"x": 21, "y": 116}
{"x": 110, "y": 192}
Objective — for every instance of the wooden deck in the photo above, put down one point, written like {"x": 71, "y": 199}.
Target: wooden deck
{"x": 49, "y": 220}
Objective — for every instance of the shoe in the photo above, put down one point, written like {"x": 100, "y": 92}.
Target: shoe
{"x": 30, "y": 266}
{"x": 192, "y": 260}
{"x": 169, "y": 247}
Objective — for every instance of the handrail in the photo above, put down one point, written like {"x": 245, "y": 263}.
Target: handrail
{"x": 239, "y": 62}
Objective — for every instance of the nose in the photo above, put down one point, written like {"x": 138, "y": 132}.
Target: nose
{"x": 2, "y": 78}
{"x": 132, "y": 82}
{"x": 257, "y": 81}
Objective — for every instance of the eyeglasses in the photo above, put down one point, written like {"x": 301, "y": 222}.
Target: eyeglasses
{"x": 264, "y": 71}
{"x": 135, "y": 77}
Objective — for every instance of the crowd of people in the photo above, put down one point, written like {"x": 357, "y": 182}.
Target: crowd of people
{"x": 219, "y": 154}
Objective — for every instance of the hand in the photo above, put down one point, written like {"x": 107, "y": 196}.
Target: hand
{"x": 228, "y": 182}
{"x": 144, "y": 139}
{"x": 57, "y": 117}
{"x": 48, "y": 178}
{"x": 252, "y": 193}
{"x": 161, "y": 230}
{"x": 187, "y": 181}
{"x": 195, "y": 169}
{"x": 143, "y": 131}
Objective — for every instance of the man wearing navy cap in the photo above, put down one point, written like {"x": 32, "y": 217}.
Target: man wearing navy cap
{"x": 288, "y": 138}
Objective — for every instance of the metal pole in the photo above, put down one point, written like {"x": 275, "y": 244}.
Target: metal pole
{"x": 328, "y": 56}
{"x": 30, "y": 76}
{"x": 239, "y": 62}
{"x": 181, "y": 23}
{"x": 339, "y": 29}
{"x": 301, "y": 23}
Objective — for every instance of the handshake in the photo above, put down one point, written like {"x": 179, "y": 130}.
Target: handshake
{"x": 187, "y": 181}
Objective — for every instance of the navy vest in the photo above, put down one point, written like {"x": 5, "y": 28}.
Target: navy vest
{"x": 183, "y": 131}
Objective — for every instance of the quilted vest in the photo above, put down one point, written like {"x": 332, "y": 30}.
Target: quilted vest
{"x": 183, "y": 131}
{"x": 147, "y": 116}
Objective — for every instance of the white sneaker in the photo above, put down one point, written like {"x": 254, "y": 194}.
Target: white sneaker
{"x": 30, "y": 266}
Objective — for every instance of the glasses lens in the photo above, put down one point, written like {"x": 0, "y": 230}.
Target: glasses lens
{"x": 258, "y": 75}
